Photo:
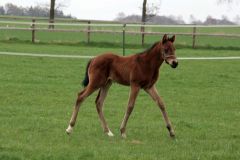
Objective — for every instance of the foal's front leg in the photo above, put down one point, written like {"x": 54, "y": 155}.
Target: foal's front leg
{"x": 132, "y": 97}
{"x": 154, "y": 94}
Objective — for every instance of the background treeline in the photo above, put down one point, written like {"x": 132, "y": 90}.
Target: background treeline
{"x": 174, "y": 20}
{"x": 43, "y": 11}
{"x": 34, "y": 11}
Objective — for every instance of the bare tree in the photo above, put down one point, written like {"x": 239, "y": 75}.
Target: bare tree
{"x": 149, "y": 10}
{"x": 120, "y": 16}
{"x": 2, "y": 11}
{"x": 52, "y": 13}
{"x": 144, "y": 11}
{"x": 11, "y": 9}
{"x": 56, "y": 9}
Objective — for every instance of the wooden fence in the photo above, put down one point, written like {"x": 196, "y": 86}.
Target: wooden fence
{"x": 88, "y": 29}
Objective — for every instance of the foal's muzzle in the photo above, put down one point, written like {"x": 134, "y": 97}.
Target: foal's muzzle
{"x": 174, "y": 64}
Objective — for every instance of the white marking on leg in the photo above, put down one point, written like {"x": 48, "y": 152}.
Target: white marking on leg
{"x": 69, "y": 130}
{"x": 124, "y": 135}
{"x": 110, "y": 134}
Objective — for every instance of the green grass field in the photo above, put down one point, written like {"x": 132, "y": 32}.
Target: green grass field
{"x": 37, "y": 96}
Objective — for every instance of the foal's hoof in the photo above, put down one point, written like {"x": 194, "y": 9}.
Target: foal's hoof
{"x": 110, "y": 134}
{"x": 124, "y": 135}
{"x": 172, "y": 134}
{"x": 123, "y": 132}
{"x": 69, "y": 130}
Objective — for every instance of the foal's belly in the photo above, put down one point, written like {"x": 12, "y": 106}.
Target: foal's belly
{"x": 120, "y": 76}
{"x": 120, "y": 71}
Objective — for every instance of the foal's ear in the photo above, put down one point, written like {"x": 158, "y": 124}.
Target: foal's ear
{"x": 172, "y": 39}
{"x": 164, "y": 39}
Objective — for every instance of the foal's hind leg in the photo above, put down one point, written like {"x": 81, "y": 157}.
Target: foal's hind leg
{"x": 81, "y": 97}
{"x": 99, "y": 105}
{"x": 154, "y": 94}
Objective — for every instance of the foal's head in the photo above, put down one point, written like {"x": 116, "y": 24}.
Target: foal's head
{"x": 168, "y": 51}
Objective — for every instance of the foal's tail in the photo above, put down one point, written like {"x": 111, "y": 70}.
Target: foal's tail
{"x": 86, "y": 79}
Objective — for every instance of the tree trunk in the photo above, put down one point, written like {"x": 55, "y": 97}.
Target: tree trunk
{"x": 51, "y": 15}
{"x": 144, "y": 18}
{"x": 144, "y": 11}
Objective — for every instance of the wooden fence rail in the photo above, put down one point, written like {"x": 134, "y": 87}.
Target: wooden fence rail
{"x": 119, "y": 32}
{"x": 89, "y": 28}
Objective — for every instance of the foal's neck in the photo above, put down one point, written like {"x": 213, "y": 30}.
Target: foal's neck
{"x": 154, "y": 56}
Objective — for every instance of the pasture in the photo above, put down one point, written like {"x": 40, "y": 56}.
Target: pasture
{"x": 37, "y": 95}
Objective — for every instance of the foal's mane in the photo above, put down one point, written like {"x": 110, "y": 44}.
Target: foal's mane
{"x": 150, "y": 48}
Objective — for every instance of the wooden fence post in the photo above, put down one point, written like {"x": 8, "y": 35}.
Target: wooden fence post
{"x": 33, "y": 30}
{"x": 142, "y": 31}
{"x": 88, "y": 32}
{"x": 194, "y": 37}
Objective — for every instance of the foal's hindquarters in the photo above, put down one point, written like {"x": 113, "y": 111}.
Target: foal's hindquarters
{"x": 99, "y": 78}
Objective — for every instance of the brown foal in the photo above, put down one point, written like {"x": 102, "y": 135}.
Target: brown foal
{"x": 139, "y": 71}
